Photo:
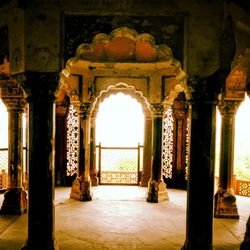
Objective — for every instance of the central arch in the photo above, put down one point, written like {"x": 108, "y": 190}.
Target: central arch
{"x": 142, "y": 174}
{"x": 131, "y": 63}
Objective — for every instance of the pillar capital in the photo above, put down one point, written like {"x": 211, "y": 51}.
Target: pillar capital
{"x": 157, "y": 109}
{"x": 228, "y": 107}
{"x": 84, "y": 110}
{"x": 61, "y": 110}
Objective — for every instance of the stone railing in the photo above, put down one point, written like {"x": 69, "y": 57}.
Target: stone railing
{"x": 3, "y": 168}
{"x": 241, "y": 187}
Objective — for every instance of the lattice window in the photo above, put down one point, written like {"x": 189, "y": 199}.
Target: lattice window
{"x": 243, "y": 188}
{"x": 119, "y": 165}
{"x": 167, "y": 145}
{"x": 187, "y": 147}
{"x": 72, "y": 141}
{"x": 3, "y": 168}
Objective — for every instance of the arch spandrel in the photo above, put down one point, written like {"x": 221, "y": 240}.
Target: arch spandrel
{"x": 128, "y": 57}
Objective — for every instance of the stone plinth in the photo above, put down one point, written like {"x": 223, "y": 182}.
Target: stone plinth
{"x": 15, "y": 202}
{"x": 225, "y": 205}
{"x": 81, "y": 189}
{"x": 157, "y": 192}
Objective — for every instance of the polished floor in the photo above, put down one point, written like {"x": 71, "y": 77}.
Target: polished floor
{"x": 119, "y": 218}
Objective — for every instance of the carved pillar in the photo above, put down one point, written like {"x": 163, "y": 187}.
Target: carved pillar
{"x": 200, "y": 186}
{"x": 41, "y": 88}
{"x": 180, "y": 111}
{"x": 225, "y": 200}
{"x": 147, "y": 152}
{"x": 93, "y": 172}
{"x": 245, "y": 245}
{"x": 156, "y": 187}
{"x": 61, "y": 144}
{"x": 81, "y": 186}
{"x": 15, "y": 201}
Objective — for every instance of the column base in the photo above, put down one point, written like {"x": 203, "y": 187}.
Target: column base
{"x": 225, "y": 205}
{"x": 81, "y": 189}
{"x": 157, "y": 191}
{"x": 245, "y": 245}
{"x": 53, "y": 245}
{"x": 94, "y": 180}
{"x": 188, "y": 246}
{"x": 15, "y": 202}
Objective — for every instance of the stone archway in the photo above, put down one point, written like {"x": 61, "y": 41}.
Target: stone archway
{"x": 142, "y": 100}
{"x": 123, "y": 56}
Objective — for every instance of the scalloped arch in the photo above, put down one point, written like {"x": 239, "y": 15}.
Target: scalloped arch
{"x": 125, "y": 89}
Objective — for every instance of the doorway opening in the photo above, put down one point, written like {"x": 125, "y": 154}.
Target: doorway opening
{"x": 4, "y": 147}
{"x": 241, "y": 148}
{"x": 119, "y": 140}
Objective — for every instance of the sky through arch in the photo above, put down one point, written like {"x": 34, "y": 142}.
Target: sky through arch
{"x": 3, "y": 125}
{"x": 120, "y": 121}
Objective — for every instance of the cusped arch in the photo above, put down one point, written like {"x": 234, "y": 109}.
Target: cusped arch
{"x": 126, "y": 89}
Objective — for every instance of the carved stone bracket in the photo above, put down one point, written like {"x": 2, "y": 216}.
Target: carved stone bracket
{"x": 84, "y": 109}
{"x": 10, "y": 89}
{"x": 157, "y": 108}
{"x": 12, "y": 94}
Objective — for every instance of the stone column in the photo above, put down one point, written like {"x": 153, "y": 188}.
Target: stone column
{"x": 61, "y": 145}
{"x": 41, "y": 88}
{"x": 245, "y": 244}
{"x": 147, "y": 152}
{"x": 180, "y": 110}
{"x": 156, "y": 187}
{"x": 15, "y": 201}
{"x": 81, "y": 186}
{"x": 225, "y": 200}
{"x": 93, "y": 172}
{"x": 200, "y": 186}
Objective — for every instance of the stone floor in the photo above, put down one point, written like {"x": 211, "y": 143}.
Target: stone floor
{"x": 119, "y": 218}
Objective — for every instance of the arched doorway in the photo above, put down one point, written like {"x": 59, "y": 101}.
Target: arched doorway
{"x": 139, "y": 68}
{"x": 119, "y": 140}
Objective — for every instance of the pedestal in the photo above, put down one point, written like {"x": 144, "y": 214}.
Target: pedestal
{"x": 15, "y": 201}
{"x": 245, "y": 245}
{"x": 53, "y": 245}
{"x": 81, "y": 189}
{"x": 157, "y": 192}
{"x": 225, "y": 205}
